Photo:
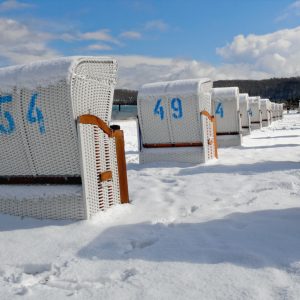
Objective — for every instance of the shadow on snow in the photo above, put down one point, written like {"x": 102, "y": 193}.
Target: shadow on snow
{"x": 269, "y": 238}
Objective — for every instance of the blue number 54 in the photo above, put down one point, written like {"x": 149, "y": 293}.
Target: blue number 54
{"x": 10, "y": 127}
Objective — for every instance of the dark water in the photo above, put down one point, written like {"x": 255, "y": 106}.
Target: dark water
{"x": 126, "y": 112}
{"x": 125, "y": 108}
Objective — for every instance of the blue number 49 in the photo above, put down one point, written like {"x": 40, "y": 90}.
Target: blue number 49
{"x": 34, "y": 114}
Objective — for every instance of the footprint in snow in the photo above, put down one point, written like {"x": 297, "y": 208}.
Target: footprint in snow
{"x": 143, "y": 243}
{"x": 128, "y": 274}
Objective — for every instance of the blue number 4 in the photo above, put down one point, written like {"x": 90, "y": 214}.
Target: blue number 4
{"x": 250, "y": 112}
{"x": 159, "y": 109}
{"x": 10, "y": 121}
{"x": 219, "y": 110}
{"x": 34, "y": 114}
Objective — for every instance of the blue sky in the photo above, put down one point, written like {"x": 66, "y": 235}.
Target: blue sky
{"x": 165, "y": 35}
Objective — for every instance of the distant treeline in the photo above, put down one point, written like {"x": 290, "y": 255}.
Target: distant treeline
{"x": 125, "y": 97}
{"x": 285, "y": 90}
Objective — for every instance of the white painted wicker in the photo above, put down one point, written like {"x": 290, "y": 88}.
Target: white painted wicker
{"x": 281, "y": 110}
{"x": 226, "y": 108}
{"x": 47, "y": 99}
{"x": 265, "y": 106}
{"x": 171, "y": 126}
{"x": 245, "y": 116}
{"x": 278, "y": 111}
{"x": 273, "y": 114}
{"x": 255, "y": 113}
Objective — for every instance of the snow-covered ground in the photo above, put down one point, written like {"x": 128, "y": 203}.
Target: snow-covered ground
{"x": 226, "y": 230}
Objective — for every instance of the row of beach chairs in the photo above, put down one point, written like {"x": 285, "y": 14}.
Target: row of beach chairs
{"x": 61, "y": 159}
{"x": 187, "y": 120}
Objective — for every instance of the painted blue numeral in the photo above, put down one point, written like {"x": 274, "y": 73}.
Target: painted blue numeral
{"x": 34, "y": 114}
{"x": 250, "y": 112}
{"x": 176, "y": 105}
{"x": 159, "y": 109}
{"x": 9, "y": 118}
{"x": 219, "y": 110}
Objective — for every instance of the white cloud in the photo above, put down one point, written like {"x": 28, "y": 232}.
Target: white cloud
{"x": 13, "y": 5}
{"x": 136, "y": 70}
{"x": 276, "y": 53}
{"x": 157, "y": 25}
{"x": 132, "y": 35}
{"x": 246, "y": 57}
{"x": 98, "y": 47}
{"x": 99, "y": 35}
{"x": 19, "y": 44}
{"x": 295, "y": 4}
{"x": 293, "y": 10}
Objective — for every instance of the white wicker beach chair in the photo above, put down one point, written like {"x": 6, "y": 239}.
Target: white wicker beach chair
{"x": 225, "y": 102}
{"x": 54, "y": 129}
{"x": 273, "y": 114}
{"x": 245, "y": 116}
{"x": 175, "y": 121}
{"x": 255, "y": 113}
{"x": 275, "y": 111}
{"x": 281, "y": 111}
{"x": 265, "y": 106}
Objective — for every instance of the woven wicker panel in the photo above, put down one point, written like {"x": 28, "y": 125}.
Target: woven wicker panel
{"x": 245, "y": 118}
{"x": 15, "y": 154}
{"x": 187, "y": 128}
{"x": 183, "y": 155}
{"x": 57, "y": 206}
{"x": 281, "y": 110}
{"x": 98, "y": 155}
{"x": 97, "y": 98}
{"x": 255, "y": 108}
{"x": 205, "y": 89}
{"x": 172, "y": 117}
{"x": 97, "y": 149}
{"x": 205, "y": 137}
{"x": 230, "y": 140}
{"x": 256, "y": 126}
{"x": 154, "y": 127}
{"x": 89, "y": 170}
{"x": 46, "y": 142}
{"x": 265, "y": 107}
{"x": 277, "y": 109}
{"x": 108, "y": 191}
{"x": 115, "y": 197}
{"x": 246, "y": 131}
{"x": 52, "y": 141}
{"x": 229, "y": 121}
{"x": 208, "y": 138}
{"x": 102, "y": 71}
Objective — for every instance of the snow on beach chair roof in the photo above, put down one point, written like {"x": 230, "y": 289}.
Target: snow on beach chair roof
{"x": 265, "y": 103}
{"x": 170, "y": 122}
{"x": 40, "y": 140}
{"x": 185, "y": 86}
{"x": 244, "y": 110}
{"x": 225, "y": 102}
{"x": 226, "y": 94}
{"x": 45, "y": 73}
